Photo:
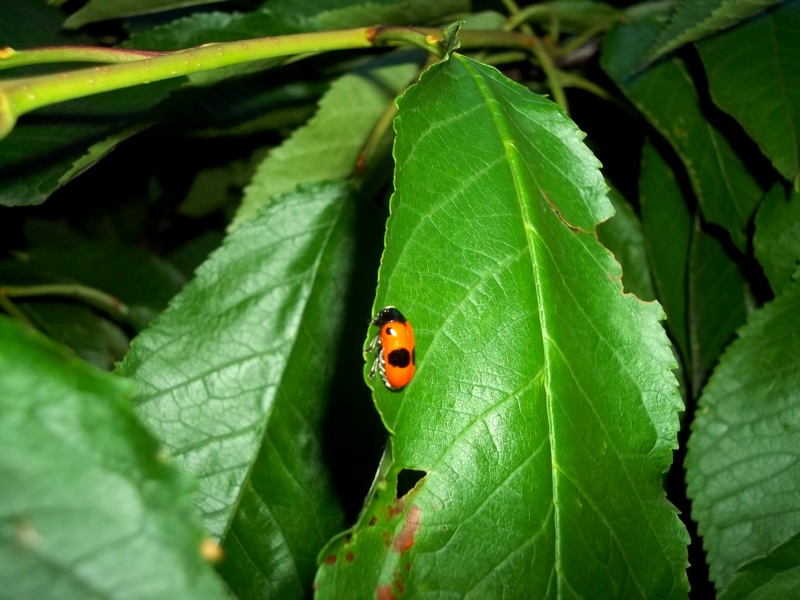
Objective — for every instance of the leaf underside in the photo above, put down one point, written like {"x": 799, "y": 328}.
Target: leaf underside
{"x": 742, "y": 471}
{"x": 226, "y": 383}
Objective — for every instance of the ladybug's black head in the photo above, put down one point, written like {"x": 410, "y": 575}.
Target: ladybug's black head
{"x": 388, "y": 315}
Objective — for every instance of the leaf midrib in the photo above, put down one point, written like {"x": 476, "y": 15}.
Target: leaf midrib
{"x": 512, "y": 157}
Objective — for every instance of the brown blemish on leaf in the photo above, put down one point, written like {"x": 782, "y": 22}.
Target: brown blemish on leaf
{"x": 384, "y": 592}
{"x": 330, "y": 559}
{"x": 571, "y": 227}
{"x": 349, "y": 557}
{"x": 396, "y": 508}
{"x": 387, "y": 538}
{"x": 405, "y": 539}
{"x": 373, "y": 520}
{"x": 408, "y": 566}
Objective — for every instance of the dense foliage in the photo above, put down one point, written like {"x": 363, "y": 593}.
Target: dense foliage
{"x": 202, "y": 205}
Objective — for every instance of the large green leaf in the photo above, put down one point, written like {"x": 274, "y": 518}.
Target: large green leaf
{"x": 741, "y": 469}
{"x": 232, "y": 379}
{"x": 667, "y": 225}
{"x": 666, "y": 96}
{"x": 695, "y": 19}
{"x": 89, "y": 507}
{"x": 326, "y": 148}
{"x": 753, "y": 75}
{"x": 777, "y": 237}
{"x": 543, "y": 412}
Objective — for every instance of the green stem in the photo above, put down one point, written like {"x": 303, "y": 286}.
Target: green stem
{"x": 26, "y": 94}
{"x": 100, "y": 300}
{"x": 551, "y": 72}
{"x": 10, "y": 58}
{"x": 576, "y": 81}
{"x": 20, "y": 96}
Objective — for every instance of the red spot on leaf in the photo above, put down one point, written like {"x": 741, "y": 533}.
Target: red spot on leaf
{"x": 331, "y": 559}
{"x": 408, "y": 566}
{"x": 405, "y": 539}
{"x": 384, "y": 592}
{"x": 396, "y": 508}
{"x": 349, "y": 557}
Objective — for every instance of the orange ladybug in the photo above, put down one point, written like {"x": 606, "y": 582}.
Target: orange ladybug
{"x": 395, "y": 351}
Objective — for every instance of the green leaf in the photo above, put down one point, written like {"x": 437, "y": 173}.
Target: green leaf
{"x": 328, "y": 146}
{"x": 667, "y": 226}
{"x": 777, "y": 575}
{"x": 741, "y": 469}
{"x": 694, "y": 20}
{"x": 543, "y": 413}
{"x": 666, "y": 96}
{"x": 719, "y": 302}
{"x": 622, "y": 234}
{"x": 753, "y": 76}
{"x": 233, "y": 376}
{"x": 777, "y": 237}
{"x": 89, "y": 508}
{"x": 103, "y": 10}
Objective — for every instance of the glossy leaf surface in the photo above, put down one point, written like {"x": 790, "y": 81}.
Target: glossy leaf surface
{"x": 88, "y": 505}
{"x": 666, "y": 96}
{"x": 226, "y": 383}
{"x": 753, "y": 75}
{"x": 543, "y": 412}
{"x": 742, "y": 471}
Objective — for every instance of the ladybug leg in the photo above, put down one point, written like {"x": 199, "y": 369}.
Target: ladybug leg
{"x": 375, "y": 341}
{"x": 374, "y": 366}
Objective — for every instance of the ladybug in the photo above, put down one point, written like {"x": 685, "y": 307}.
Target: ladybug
{"x": 395, "y": 352}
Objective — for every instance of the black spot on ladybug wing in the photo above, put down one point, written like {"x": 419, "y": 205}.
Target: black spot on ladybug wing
{"x": 399, "y": 358}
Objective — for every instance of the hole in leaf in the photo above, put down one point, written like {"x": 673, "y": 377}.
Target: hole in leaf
{"x": 407, "y": 479}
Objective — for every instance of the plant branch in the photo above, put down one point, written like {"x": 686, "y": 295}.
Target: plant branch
{"x": 545, "y": 60}
{"x": 93, "y": 297}
{"x": 10, "y": 58}
{"x": 131, "y": 68}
